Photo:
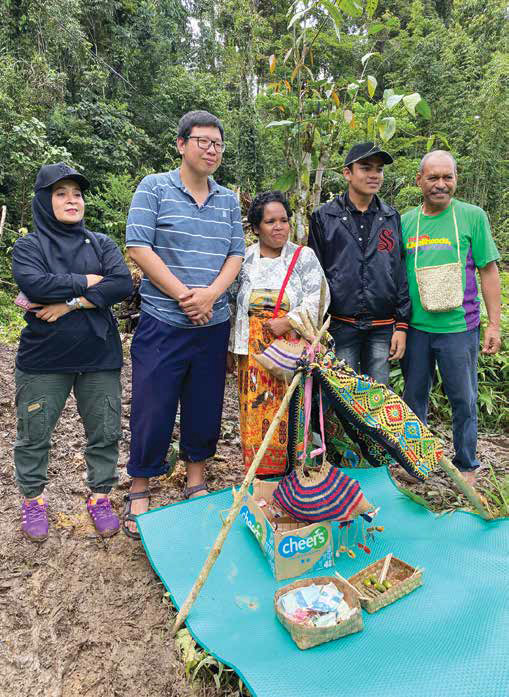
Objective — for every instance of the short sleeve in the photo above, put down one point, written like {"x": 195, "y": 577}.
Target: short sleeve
{"x": 484, "y": 248}
{"x": 238, "y": 244}
{"x": 142, "y": 218}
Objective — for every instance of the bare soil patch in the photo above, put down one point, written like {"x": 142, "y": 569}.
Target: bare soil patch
{"x": 82, "y": 616}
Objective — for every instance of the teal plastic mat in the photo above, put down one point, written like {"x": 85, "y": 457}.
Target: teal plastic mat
{"x": 448, "y": 638}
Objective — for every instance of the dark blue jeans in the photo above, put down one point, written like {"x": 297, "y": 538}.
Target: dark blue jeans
{"x": 456, "y": 358}
{"x": 365, "y": 350}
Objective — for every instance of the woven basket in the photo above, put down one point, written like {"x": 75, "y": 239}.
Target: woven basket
{"x": 400, "y": 574}
{"x": 306, "y": 637}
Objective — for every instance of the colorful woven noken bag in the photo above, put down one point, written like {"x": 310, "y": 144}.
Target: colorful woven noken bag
{"x": 281, "y": 356}
{"x": 312, "y": 494}
{"x": 322, "y": 494}
{"x": 440, "y": 287}
{"x": 384, "y": 428}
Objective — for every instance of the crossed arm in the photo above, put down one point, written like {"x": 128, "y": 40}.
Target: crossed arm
{"x": 53, "y": 311}
{"x": 48, "y": 291}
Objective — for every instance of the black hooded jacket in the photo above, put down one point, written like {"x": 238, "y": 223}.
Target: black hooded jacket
{"x": 51, "y": 265}
{"x": 367, "y": 282}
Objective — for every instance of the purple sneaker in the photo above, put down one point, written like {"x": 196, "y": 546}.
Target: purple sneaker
{"x": 105, "y": 520}
{"x": 35, "y": 519}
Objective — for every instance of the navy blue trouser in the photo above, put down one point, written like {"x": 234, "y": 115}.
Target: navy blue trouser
{"x": 173, "y": 365}
{"x": 365, "y": 350}
{"x": 456, "y": 357}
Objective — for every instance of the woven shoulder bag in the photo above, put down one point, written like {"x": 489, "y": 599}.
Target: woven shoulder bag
{"x": 281, "y": 356}
{"x": 440, "y": 287}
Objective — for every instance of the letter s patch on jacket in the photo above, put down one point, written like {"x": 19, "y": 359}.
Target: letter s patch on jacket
{"x": 385, "y": 241}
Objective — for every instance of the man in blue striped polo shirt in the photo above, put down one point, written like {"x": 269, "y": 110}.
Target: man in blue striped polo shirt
{"x": 185, "y": 233}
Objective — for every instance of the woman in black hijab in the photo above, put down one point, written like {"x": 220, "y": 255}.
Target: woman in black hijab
{"x": 70, "y": 277}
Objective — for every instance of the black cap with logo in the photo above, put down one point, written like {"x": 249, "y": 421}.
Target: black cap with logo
{"x": 50, "y": 174}
{"x": 361, "y": 151}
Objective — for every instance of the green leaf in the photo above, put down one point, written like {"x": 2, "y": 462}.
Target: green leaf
{"x": 429, "y": 142}
{"x": 297, "y": 16}
{"x": 278, "y": 123}
{"x": 334, "y": 13}
{"x": 387, "y": 128}
{"x": 352, "y": 88}
{"x": 350, "y": 8}
{"x": 375, "y": 28}
{"x": 410, "y": 101}
{"x": 392, "y": 100}
{"x": 415, "y": 497}
{"x": 372, "y": 83}
{"x": 423, "y": 109}
{"x": 286, "y": 180}
{"x": 371, "y": 6}
{"x": 443, "y": 138}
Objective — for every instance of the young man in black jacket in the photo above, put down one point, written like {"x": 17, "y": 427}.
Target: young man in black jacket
{"x": 357, "y": 239}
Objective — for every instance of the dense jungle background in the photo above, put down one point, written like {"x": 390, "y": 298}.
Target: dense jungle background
{"x": 102, "y": 85}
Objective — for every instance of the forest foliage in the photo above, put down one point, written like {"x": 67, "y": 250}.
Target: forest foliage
{"x": 102, "y": 86}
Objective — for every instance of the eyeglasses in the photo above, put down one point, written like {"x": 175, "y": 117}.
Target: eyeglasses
{"x": 205, "y": 143}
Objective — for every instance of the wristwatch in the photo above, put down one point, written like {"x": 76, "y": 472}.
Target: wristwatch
{"x": 74, "y": 304}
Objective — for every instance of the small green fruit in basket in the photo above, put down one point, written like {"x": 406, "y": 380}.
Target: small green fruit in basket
{"x": 380, "y": 587}
{"x": 387, "y": 584}
{"x": 367, "y": 583}
{"x": 372, "y": 580}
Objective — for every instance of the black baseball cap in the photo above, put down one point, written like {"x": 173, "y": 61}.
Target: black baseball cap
{"x": 50, "y": 174}
{"x": 363, "y": 150}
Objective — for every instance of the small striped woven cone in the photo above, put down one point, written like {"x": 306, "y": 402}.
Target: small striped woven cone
{"x": 324, "y": 494}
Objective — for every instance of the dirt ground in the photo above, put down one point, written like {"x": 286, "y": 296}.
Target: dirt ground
{"x": 80, "y": 616}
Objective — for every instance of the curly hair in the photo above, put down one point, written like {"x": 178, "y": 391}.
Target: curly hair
{"x": 255, "y": 212}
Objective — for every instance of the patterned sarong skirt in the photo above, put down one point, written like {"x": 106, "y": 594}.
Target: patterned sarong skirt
{"x": 260, "y": 393}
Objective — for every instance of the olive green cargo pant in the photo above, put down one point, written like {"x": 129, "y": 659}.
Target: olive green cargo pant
{"x": 40, "y": 400}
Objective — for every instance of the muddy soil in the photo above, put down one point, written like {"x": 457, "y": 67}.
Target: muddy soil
{"x": 81, "y": 616}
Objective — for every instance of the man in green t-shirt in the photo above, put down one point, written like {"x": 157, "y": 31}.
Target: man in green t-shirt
{"x": 449, "y": 340}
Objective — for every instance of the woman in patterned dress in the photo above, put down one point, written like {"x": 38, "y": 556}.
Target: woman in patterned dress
{"x": 256, "y": 291}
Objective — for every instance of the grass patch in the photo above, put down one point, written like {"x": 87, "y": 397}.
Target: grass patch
{"x": 497, "y": 494}
{"x": 11, "y": 319}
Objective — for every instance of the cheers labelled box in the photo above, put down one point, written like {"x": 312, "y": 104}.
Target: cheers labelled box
{"x": 290, "y": 547}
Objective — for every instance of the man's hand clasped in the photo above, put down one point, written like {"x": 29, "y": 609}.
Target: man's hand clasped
{"x": 197, "y": 304}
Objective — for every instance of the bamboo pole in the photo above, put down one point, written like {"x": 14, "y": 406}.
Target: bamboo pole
{"x": 239, "y": 495}
{"x": 467, "y": 489}
{"x": 2, "y": 219}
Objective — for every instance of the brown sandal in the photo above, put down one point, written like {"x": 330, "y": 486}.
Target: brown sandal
{"x": 190, "y": 490}
{"x": 128, "y": 516}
